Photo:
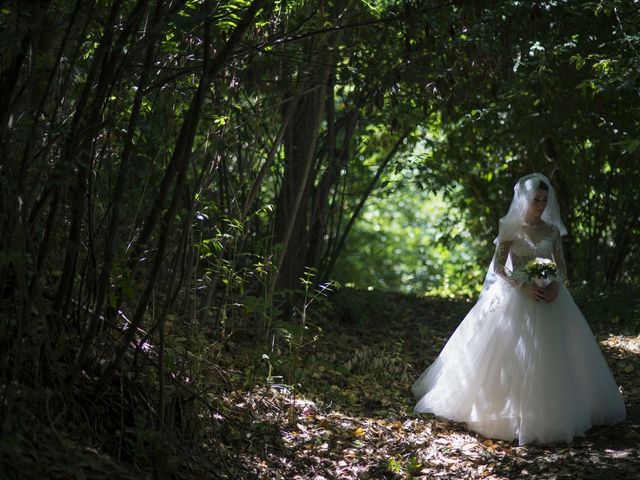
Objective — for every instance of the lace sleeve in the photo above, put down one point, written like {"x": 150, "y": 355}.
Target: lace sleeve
{"x": 499, "y": 265}
{"x": 558, "y": 257}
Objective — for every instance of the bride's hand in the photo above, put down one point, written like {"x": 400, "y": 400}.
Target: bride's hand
{"x": 533, "y": 291}
{"x": 551, "y": 292}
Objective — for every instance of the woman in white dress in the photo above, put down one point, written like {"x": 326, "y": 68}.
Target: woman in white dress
{"x": 523, "y": 364}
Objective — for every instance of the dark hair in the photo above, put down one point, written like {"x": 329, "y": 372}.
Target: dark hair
{"x": 543, "y": 186}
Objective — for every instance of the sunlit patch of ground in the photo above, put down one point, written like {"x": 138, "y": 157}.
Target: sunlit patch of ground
{"x": 623, "y": 355}
{"x": 628, "y": 344}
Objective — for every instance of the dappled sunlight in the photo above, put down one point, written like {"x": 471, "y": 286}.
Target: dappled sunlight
{"x": 623, "y": 343}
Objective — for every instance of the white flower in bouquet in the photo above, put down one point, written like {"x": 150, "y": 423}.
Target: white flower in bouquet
{"x": 541, "y": 271}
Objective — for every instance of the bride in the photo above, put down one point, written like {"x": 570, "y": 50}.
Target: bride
{"x": 523, "y": 364}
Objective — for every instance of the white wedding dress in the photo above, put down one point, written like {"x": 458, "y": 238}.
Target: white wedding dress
{"x": 516, "y": 368}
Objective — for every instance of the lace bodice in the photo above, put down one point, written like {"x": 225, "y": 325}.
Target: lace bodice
{"x": 531, "y": 241}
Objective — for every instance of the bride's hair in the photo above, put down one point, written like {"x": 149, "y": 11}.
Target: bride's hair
{"x": 530, "y": 184}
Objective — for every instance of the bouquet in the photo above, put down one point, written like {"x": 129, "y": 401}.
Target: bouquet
{"x": 541, "y": 271}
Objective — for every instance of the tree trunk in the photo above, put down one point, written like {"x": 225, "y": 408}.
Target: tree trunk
{"x": 291, "y": 222}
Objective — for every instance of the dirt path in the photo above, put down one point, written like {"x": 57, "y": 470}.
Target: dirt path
{"x": 351, "y": 416}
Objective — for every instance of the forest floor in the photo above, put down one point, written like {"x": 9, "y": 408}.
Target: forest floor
{"x": 352, "y": 418}
{"x": 341, "y": 409}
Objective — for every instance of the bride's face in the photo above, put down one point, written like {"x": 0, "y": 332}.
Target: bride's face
{"x": 538, "y": 204}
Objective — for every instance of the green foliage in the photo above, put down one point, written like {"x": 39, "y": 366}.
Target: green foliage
{"x": 545, "y": 96}
{"x": 412, "y": 241}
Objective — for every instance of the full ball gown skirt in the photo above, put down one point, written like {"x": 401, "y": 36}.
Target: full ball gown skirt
{"x": 520, "y": 369}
